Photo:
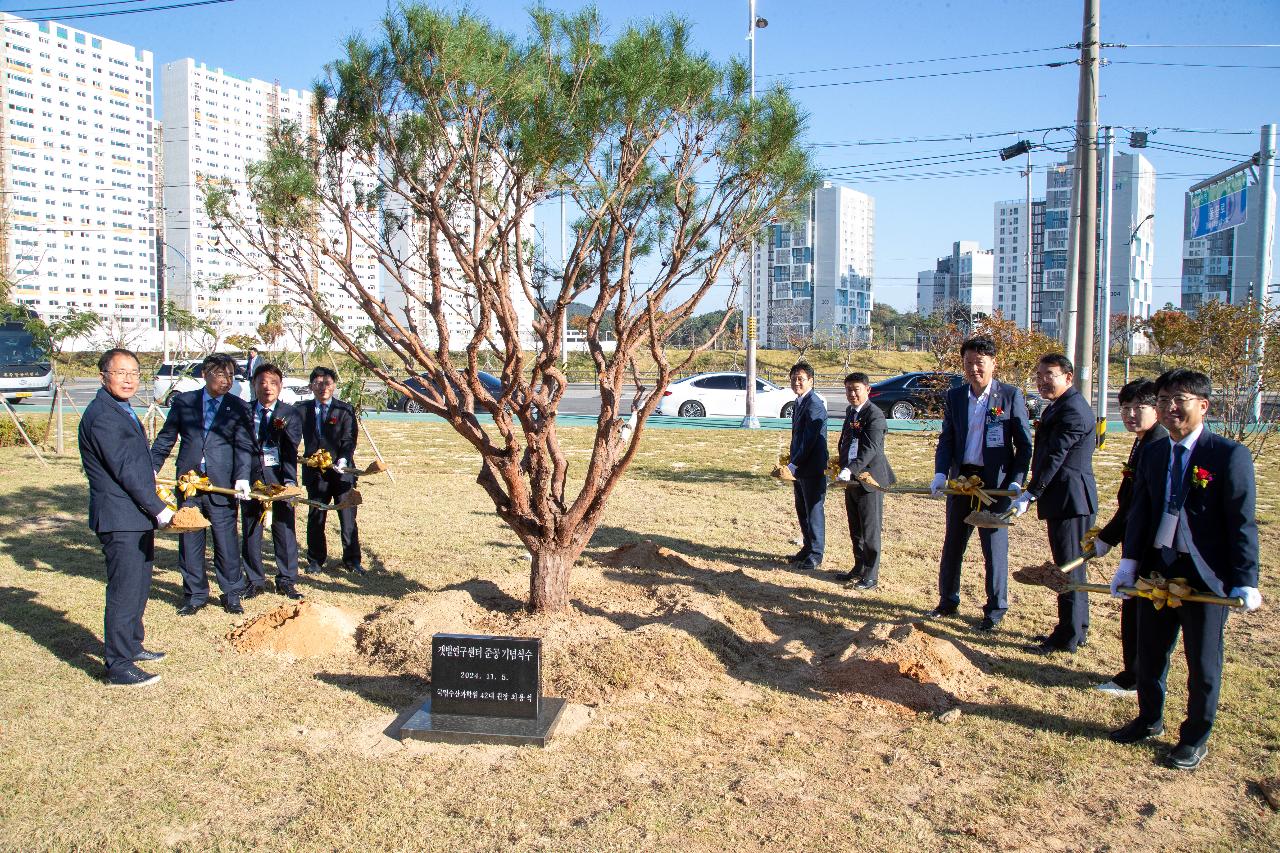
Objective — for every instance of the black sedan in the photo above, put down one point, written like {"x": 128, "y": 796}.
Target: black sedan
{"x": 920, "y": 395}
{"x": 401, "y": 403}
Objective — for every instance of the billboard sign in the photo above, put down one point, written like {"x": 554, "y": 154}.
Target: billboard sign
{"x": 1220, "y": 206}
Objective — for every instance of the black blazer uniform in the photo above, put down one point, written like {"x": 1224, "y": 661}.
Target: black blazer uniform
{"x": 117, "y": 461}
{"x": 869, "y": 428}
{"x": 1003, "y": 463}
{"x": 337, "y": 435}
{"x": 1062, "y": 479}
{"x": 1113, "y": 532}
{"x": 227, "y": 449}
{"x": 281, "y": 437}
{"x": 809, "y": 452}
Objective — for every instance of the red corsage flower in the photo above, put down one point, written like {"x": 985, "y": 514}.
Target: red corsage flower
{"x": 994, "y": 414}
{"x": 1201, "y": 477}
{"x": 1126, "y": 472}
{"x": 277, "y": 423}
{"x": 333, "y": 420}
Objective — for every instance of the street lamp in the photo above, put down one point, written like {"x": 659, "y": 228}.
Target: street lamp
{"x": 1128, "y": 350}
{"x": 1018, "y": 149}
{"x": 750, "y": 421}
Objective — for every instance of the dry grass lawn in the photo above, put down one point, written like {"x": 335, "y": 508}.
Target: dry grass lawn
{"x": 708, "y": 707}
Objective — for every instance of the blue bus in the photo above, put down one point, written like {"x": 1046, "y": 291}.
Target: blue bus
{"x": 26, "y": 370}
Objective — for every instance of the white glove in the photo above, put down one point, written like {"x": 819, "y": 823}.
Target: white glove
{"x": 1019, "y": 505}
{"x": 1016, "y": 487}
{"x": 164, "y": 517}
{"x": 1100, "y": 548}
{"x": 792, "y": 468}
{"x": 340, "y": 466}
{"x": 242, "y": 490}
{"x": 845, "y": 475}
{"x": 1252, "y": 598}
{"x": 1125, "y": 576}
{"x": 938, "y": 484}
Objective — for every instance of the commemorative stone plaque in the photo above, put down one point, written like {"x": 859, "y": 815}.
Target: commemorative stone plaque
{"x": 485, "y": 689}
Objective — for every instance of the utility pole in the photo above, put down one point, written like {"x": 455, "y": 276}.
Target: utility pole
{"x": 1087, "y": 165}
{"x": 749, "y": 420}
{"x": 1266, "y": 242}
{"x": 1104, "y": 274}
{"x": 1029, "y": 232}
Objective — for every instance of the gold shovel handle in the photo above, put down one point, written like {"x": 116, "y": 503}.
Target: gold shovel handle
{"x": 1143, "y": 593}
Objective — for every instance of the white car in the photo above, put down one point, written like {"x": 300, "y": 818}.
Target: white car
{"x": 185, "y": 376}
{"x": 724, "y": 395}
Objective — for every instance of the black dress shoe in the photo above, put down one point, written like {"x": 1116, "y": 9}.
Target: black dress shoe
{"x": 231, "y": 605}
{"x": 313, "y": 567}
{"x": 1048, "y": 647}
{"x": 190, "y": 609}
{"x": 811, "y": 565}
{"x": 1187, "y": 757}
{"x": 252, "y": 592}
{"x": 288, "y": 591}
{"x": 355, "y": 569}
{"x": 987, "y": 624}
{"x": 1137, "y": 731}
{"x": 145, "y": 656}
{"x": 131, "y": 676}
{"x": 941, "y": 611}
{"x": 865, "y": 585}
{"x": 798, "y": 557}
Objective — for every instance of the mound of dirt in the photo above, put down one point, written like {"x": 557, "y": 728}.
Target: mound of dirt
{"x": 305, "y": 629}
{"x": 654, "y": 657}
{"x": 1046, "y": 574}
{"x": 645, "y": 555}
{"x": 904, "y": 666}
{"x": 398, "y": 635}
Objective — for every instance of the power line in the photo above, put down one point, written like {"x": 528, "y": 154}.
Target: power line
{"x": 1192, "y": 64}
{"x": 113, "y": 13}
{"x": 914, "y": 61}
{"x": 1197, "y": 46}
{"x": 921, "y": 76}
{"x": 1192, "y": 149}
{"x": 71, "y": 6}
{"x": 965, "y": 137}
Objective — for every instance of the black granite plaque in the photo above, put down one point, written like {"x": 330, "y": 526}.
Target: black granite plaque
{"x": 481, "y": 676}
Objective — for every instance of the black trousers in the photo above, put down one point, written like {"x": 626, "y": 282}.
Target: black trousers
{"x": 1202, "y": 627}
{"x": 326, "y": 489}
{"x": 995, "y": 557}
{"x": 865, "y": 509}
{"x": 226, "y": 556}
{"x": 810, "y": 496}
{"x": 1128, "y": 677}
{"x": 129, "y": 556}
{"x": 284, "y": 541}
{"x": 1073, "y": 607}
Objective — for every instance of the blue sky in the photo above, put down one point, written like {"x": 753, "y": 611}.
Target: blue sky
{"x": 919, "y": 213}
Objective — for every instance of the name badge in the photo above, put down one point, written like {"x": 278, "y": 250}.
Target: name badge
{"x": 853, "y": 449}
{"x": 1164, "y": 534}
{"x": 995, "y": 434}
{"x": 270, "y": 456}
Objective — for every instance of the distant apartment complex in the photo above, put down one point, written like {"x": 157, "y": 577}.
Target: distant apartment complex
{"x": 216, "y": 124}
{"x": 960, "y": 283}
{"x": 1011, "y": 231}
{"x": 77, "y": 216}
{"x": 813, "y": 276}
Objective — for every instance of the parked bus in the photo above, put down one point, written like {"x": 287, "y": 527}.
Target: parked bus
{"x": 26, "y": 370}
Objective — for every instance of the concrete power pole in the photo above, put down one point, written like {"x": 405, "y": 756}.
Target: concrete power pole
{"x": 1104, "y": 274}
{"x": 1087, "y": 164}
{"x": 1030, "y": 233}
{"x": 1266, "y": 241}
{"x": 749, "y": 420}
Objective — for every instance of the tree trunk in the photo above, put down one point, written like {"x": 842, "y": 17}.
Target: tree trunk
{"x": 549, "y": 579}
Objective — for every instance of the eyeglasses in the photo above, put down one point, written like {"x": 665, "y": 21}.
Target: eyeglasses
{"x": 1050, "y": 376}
{"x": 1181, "y": 402}
{"x": 123, "y": 374}
{"x": 1134, "y": 410}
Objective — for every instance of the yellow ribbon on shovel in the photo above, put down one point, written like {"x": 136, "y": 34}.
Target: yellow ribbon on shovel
{"x": 971, "y": 486}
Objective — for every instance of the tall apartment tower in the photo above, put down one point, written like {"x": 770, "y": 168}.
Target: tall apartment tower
{"x": 77, "y": 220}
{"x": 1011, "y": 231}
{"x": 962, "y": 281}
{"x": 216, "y": 125}
{"x": 813, "y": 276}
{"x": 1221, "y": 266}
{"x": 1133, "y": 202}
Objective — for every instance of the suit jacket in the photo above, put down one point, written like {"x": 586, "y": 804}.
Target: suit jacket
{"x": 809, "y": 451}
{"x": 1062, "y": 462}
{"x": 337, "y": 435}
{"x": 117, "y": 461}
{"x": 249, "y": 366}
{"x": 1113, "y": 533}
{"x": 869, "y": 428}
{"x": 227, "y": 448}
{"x": 1219, "y": 516}
{"x": 283, "y": 432}
{"x": 1001, "y": 465}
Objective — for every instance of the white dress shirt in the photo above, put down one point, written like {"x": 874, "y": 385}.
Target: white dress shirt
{"x": 978, "y": 408}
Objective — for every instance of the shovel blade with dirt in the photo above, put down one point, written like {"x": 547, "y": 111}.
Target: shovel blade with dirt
{"x": 990, "y": 520}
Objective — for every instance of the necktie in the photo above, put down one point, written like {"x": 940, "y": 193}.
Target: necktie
{"x": 324, "y": 412}
{"x": 132, "y": 414}
{"x": 262, "y": 425}
{"x": 1170, "y": 555}
{"x": 210, "y": 410}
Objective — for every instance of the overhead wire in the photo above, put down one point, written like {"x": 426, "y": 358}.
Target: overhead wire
{"x": 114, "y": 12}
{"x": 914, "y": 61}
{"x": 934, "y": 75}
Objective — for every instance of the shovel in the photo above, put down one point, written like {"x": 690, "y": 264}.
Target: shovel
{"x": 990, "y": 520}
{"x": 869, "y": 481}
{"x": 1172, "y": 593}
{"x": 349, "y": 500}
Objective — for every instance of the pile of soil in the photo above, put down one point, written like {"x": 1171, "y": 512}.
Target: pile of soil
{"x": 397, "y": 636}
{"x": 305, "y": 629}
{"x": 645, "y": 555}
{"x": 902, "y": 665}
{"x": 1045, "y": 574}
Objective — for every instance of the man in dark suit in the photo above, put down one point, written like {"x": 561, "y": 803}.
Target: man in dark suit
{"x": 251, "y": 364}
{"x": 216, "y": 441}
{"x": 808, "y": 464}
{"x": 330, "y": 424}
{"x": 1138, "y": 412}
{"x": 861, "y": 449}
{"x": 277, "y": 432}
{"x": 124, "y": 511}
{"x": 1192, "y": 517}
{"x": 985, "y": 433}
{"x": 1063, "y": 489}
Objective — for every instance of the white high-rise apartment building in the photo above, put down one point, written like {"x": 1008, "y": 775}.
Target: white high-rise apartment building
{"x": 961, "y": 282}
{"x": 77, "y": 220}
{"x": 813, "y": 276}
{"x": 215, "y": 125}
{"x": 1011, "y": 231}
